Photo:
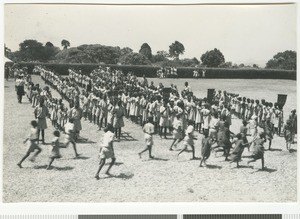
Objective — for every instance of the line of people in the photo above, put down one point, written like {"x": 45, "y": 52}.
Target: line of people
{"x": 109, "y": 95}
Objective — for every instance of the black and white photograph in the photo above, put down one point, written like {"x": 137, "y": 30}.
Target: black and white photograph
{"x": 150, "y": 103}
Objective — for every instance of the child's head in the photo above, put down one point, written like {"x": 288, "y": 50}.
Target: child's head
{"x": 239, "y": 136}
{"x": 150, "y": 119}
{"x": 56, "y": 133}
{"x": 205, "y": 133}
{"x": 33, "y": 123}
{"x": 262, "y": 135}
{"x": 109, "y": 127}
{"x": 71, "y": 120}
{"x": 190, "y": 122}
{"x": 245, "y": 122}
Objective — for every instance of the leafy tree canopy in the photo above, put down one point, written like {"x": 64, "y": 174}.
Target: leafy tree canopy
{"x": 212, "y": 58}
{"x": 146, "y": 51}
{"x": 176, "y": 49}
{"x": 283, "y": 60}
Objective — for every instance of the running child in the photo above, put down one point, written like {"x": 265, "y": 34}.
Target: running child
{"x": 70, "y": 134}
{"x": 258, "y": 150}
{"x": 189, "y": 139}
{"x": 55, "y": 148}
{"x": 32, "y": 143}
{"x": 106, "y": 150}
{"x": 148, "y": 129}
{"x": 206, "y": 148}
{"x": 177, "y": 132}
{"x": 236, "y": 154}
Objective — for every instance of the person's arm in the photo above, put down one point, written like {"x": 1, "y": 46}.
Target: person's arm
{"x": 25, "y": 140}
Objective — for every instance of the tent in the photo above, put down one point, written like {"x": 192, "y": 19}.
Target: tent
{"x": 7, "y": 60}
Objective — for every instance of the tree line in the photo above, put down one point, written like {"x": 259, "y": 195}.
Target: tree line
{"x": 34, "y": 51}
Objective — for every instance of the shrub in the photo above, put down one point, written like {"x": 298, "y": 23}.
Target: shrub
{"x": 183, "y": 72}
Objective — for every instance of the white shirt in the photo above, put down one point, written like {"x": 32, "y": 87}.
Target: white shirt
{"x": 69, "y": 128}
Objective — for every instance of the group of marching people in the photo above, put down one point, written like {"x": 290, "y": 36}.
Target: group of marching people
{"x": 106, "y": 96}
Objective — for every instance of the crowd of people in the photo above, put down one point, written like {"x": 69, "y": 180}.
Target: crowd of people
{"x": 106, "y": 96}
{"x": 168, "y": 72}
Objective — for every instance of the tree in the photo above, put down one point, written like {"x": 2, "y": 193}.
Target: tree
{"x": 146, "y": 51}
{"x": 212, "y": 58}
{"x": 126, "y": 50}
{"x": 226, "y": 65}
{"x": 134, "y": 59}
{"x": 65, "y": 44}
{"x": 49, "y": 44}
{"x": 31, "y": 50}
{"x": 160, "y": 56}
{"x": 176, "y": 49}
{"x": 283, "y": 60}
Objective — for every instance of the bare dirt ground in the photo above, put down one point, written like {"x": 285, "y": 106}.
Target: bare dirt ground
{"x": 163, "y": 179}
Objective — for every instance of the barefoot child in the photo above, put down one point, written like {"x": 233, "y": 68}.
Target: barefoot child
{"x": 55, "y": 148}
{"x": 206, "y": 148}
{"x": 268, "y": 129}
{"x": 236, "y": 154}
{"x": 189, "y": 139}
{"x": 33, "y": 143}
{"x": 288, "y": 134}
{"x": 258, "y": 150}
{"x": 69, "y": 135}
{"x": 148, "y": 129}
{"x": 177, "y": 132}
{"x": 106, "y": 150}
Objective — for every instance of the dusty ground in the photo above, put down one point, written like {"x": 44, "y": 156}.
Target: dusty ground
{"x": 163, "y": 179}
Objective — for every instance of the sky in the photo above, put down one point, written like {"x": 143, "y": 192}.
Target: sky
{"x": 243, "y": 33}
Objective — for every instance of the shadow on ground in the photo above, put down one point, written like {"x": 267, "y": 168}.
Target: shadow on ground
{"x": 54, "y": 168}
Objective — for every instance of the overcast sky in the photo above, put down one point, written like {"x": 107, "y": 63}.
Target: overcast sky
{"x": 244, "y": 34}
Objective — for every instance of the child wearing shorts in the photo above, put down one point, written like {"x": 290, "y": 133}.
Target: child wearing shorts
{"x": 32, "y": 143}
{"x": 148, "y": 129}
{"x": 106, "y": 150}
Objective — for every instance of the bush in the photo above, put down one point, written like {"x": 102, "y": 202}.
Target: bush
{"x": 183, "y": 72}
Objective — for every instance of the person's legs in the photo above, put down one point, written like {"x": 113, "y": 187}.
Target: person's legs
{"x": 51, "y": 161}
{"x": 75, "y": 149}
{"x": 262, "y": 163}
{"x": 43, "y": 136}
{"x": 102, "y": 162}
{"x": 202, "y": 160}
{"x": 24, "y": 158}
{"x": 172, "y": 144}
{"x": 226, "y": 153}
{"x": 270, "y": 143}
{"x": 193, "y": 151}
{"x": 144, "y": 150}
{"x": 150, "y": 151}
{"x": 38, "y": 151}
{"x": 110, "y": 165}
{"x": 119, "y": 134}
{"x": 39, "y": 134}
{"x": 100, "y": 123}
{"x": 182, "y": 150}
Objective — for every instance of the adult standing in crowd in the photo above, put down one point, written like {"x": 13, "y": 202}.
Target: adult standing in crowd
{"x": 7, "y": 71}
{"x": 118, "y": 121}
{"x": 20, "y": 88}
{"x": 293, "y": 118}
{"x": 76, "y": 114}
{"x": 41, "y": 112}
